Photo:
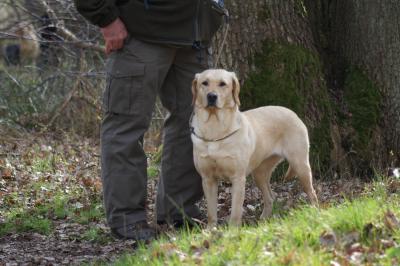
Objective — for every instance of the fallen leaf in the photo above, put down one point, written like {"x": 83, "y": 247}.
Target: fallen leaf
{"x": 356, "y": 247}
{"x": 7, "y": 173}
{"x": 394, "y": 186}
{"x": 197, "y": 251}
{"x": 268, "y": 253}
{"x": 166, "y": 250}
{"x": 391, "y": 221}
{"x": 371, "y": 231}
{"x": 288, "y": 259}
{"x": 206, "y": 244}
{"x": 356, "y": 257}
{"x": 351, "y": 238}
{"x": 387, "y": 243}
{"x": 327, "y": 239}
{"x": 251, "y": 207}
{"x": 341, "y": 258}
{"x": 334, "y": 263}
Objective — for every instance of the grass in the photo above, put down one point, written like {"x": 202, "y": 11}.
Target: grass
{"x": 25, "y": 221}
{"x": 50, "y": 184}
{"x": 40, "y": 219}
{"x": 293, "y": 239}
{"x": 96, "y": 234}
{"x": 46, "y": 184}
{"x": 153, "y": 171}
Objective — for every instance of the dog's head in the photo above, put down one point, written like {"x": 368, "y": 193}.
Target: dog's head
{"x": 215, "y": 89}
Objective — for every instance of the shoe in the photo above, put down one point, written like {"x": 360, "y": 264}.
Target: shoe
{"x": 140, "y": 232}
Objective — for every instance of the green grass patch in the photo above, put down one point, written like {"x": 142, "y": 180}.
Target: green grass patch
{"x": 41, "y": 218}
{"x": 23, "y": 215}
{"x": 152, "y": 171}
{"x": 26, "y": 221}
{"x": 294, "y": 239}
{"x": 92, "y": 213}
{"x": 95, "y": 234}
{"x": 43, "y": 165}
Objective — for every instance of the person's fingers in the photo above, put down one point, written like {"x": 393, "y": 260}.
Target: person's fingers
{"x": 109, "y": 47}
{"x": 124, "y": 34}
{"x": 114, "y": 44}
{"x": 114, "y": 35}
{"x": 118, "y": 44}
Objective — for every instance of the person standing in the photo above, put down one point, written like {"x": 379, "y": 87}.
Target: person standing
{"x": 154, "y": 47}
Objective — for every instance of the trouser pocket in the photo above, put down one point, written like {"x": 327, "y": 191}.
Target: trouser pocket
{"x": 124, "y": 85}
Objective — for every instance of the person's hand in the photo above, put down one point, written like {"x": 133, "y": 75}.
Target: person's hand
{"x": 114, "y": 35}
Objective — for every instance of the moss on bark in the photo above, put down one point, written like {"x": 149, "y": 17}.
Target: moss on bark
{"x": 362, "y": 100}
{"x": 291, "y": 76}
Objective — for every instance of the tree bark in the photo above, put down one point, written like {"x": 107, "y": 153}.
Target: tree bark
{"x": 357, "y": 86}
{"x": 369, "y": 37}
{"x": 364, "y": 34}
{"x": 270, "y": 46}
{"x": 253, "y": 22}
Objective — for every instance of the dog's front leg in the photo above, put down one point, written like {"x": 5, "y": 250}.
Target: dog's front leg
{"x": 210, "y": 188}
{"x": 238, "y": 191}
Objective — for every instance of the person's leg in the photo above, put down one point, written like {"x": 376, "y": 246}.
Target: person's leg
{"x": 134, "y": 77}
{"x": 179, "y": 185}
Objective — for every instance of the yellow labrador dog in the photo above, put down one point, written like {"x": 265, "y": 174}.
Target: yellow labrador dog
{"x": 230, "y": 144}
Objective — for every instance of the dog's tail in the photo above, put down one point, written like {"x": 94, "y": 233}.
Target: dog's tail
{"x": 290, "y": 174}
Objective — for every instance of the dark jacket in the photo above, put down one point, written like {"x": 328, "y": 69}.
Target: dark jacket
{"x": 181, "y": 22}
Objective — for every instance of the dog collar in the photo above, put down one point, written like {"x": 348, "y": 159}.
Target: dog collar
{"x": 212, "y": 140}
{"x": 208, "y": 140}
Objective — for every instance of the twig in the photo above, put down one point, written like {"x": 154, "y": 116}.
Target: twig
{"x": 66, "y": 33}
{"x": 67, "y": 98}
{"x": 65, "y": 103}
{"x": 9, "y": 154}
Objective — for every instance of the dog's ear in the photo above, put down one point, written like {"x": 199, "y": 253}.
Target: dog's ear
{"x": 235, "y": 89}
{"x": 194, "y": 89}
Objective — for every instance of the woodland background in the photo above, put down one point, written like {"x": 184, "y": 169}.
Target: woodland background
{"x": 335, "y": 62}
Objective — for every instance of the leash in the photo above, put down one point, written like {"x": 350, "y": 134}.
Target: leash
{"x": 197, "y": 45}
{"x": 225, "y": 35}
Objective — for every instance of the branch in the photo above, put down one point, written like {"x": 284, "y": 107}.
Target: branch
{"x": 67, "y": 34}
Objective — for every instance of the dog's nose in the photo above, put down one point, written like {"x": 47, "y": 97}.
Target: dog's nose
{"x": 212, "y": 98}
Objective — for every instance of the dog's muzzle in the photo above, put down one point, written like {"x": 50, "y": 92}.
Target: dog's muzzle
{"x": 212, "y": 99}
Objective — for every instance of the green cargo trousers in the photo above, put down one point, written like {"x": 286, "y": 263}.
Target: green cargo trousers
{"x": 135, "y": 75}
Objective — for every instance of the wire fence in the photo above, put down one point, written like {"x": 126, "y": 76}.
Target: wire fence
{"x": 52, "y": 68}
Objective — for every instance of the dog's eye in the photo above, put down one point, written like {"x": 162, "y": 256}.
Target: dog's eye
{"x": 222, "y": 84}
{"x": 205, "y": 83}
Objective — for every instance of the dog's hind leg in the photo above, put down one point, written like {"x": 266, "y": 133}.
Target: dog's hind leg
{"x": 262, "y": 176}
{"x": 303, "y": 171}
{"x": 290, "y": 173}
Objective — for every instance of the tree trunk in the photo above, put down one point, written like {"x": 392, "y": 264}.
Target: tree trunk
{"x": 335, "y": 62}
{"x": 270, "y": 46}
{"x": 254, "y": 22}
{"x": 369, "y": 38}
{"x": 360, "y": 41}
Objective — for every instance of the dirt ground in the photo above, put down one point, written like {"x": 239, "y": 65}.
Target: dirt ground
{"x": 64, "y": 245}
